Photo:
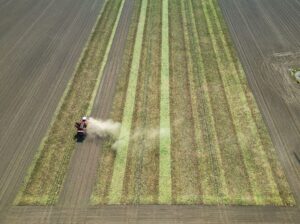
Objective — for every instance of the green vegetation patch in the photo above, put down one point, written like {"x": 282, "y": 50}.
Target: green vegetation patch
{"x": 200, "y": 66}
{"x": 165, "y": 184}
{"x": 46, "y": 175}
{"x": 192, "y": 132}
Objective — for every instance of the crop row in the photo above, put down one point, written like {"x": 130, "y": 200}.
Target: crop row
{"x": 123, "y": 144}
{"x": 102, "y": 188}
{"x": 141, "y": 171}
{"x": 213, "y": 186}
{"x": 191, "y": 130}
{"x": 165, "y": 183}
{"x": 136, "y": 174}
{"x": 46, "y": 175}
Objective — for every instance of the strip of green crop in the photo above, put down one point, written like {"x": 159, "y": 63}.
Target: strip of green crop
{"x": 235, "y": 173}
{"x": 106, "y": 162}
{"x": 247, "y": 158}
{"x": 246, "y": 129}
{"x": 121, "y": 157}
{"x": 165, "y": 184}
{"x": 275, "y": 197}
{"x": 192, "y": 87}
{"x": 48, "y": 170}
{"x": 148, "y": 108}
{"x": 214, "y": 190}
{"x": 142, "y": 168}
{"x": 57, "y": 110}
{"x": 278, "y": 174}
{"x": 186, "y": 181}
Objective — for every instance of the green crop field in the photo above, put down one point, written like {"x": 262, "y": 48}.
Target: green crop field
{"x": 191, "y": 130}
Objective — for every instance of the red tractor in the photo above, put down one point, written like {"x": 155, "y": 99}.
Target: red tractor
{"x": 81, "y": 128}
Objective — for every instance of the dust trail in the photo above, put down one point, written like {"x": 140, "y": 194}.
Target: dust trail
{"x": 148, "y": 135}
{"x": 102, "y": 128}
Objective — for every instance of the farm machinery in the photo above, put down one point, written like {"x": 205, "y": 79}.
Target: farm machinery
{"x": 81, "y": 128}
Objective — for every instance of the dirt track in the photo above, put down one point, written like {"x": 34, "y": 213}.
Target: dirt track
{"x": 260, "y": 29}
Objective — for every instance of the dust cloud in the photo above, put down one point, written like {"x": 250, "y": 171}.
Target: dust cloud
{"x": 100, "y": 128}
{"x": 111, "y": 129}
{"x": 144, "y": 136}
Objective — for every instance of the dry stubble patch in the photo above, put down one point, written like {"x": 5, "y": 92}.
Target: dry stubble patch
{"x": 185, "y": 175}
{"x": 106, "y": 163}
{"x": 143, "y": 162}
{"x": 47, "y": 174}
